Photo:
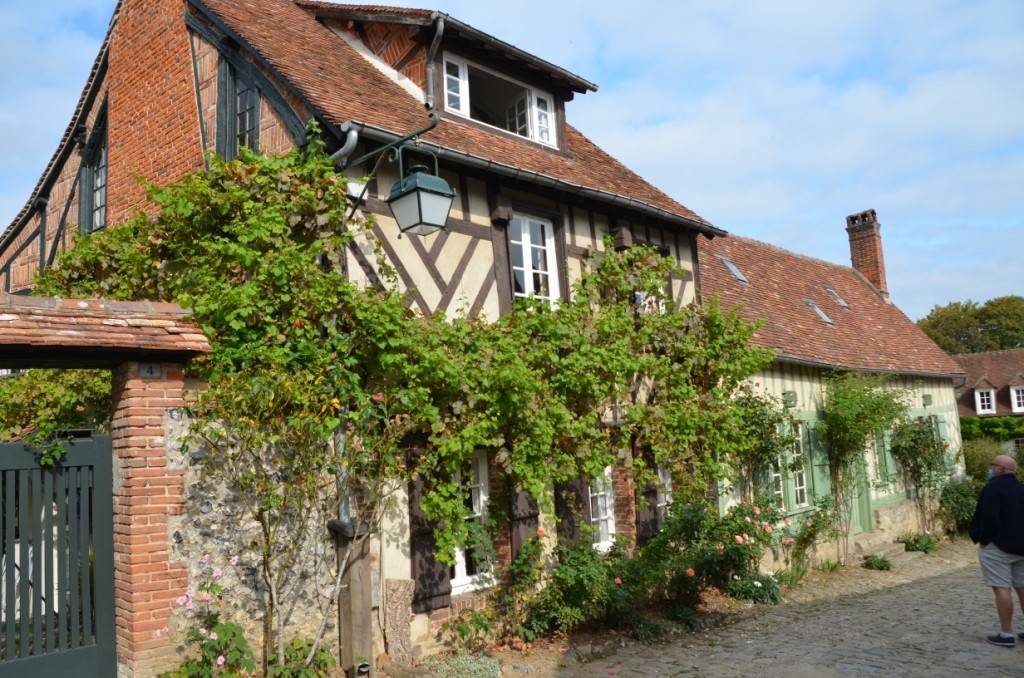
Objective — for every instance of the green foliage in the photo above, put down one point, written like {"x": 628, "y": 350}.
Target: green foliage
{"x": 512, "y": 598}
{"x": 579, "y": 589}
{"x": 40, "y": 405}
{"x": 923, "y": 543}
{"x": 756, "y": 587}
{"x": 769, "y": 441}
{"x": 978, "y": 454}
{"x": 313, "y": 377}
{"x": 858, "y": 407}
{"x": 830, "y": 566}
{"x": 793, "y": 576}
{"x": 697, "y": 547}
{"x": 819, "y": 525}
{"x": 922, "y": 457}
{"x": 876, "y": 562}
{"x": 957, "y": 503}
{"x": 999, "y": 428}
{"x": 967, "y": 327}
{"x": 463, "y": 665}
{"x": 222, "y": 647}
{"x": 293, "y": 665}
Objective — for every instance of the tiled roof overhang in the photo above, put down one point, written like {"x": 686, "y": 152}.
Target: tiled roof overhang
{"x": 94, "y": 333}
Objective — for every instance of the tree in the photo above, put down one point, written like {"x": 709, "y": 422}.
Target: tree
{"x": 858, "y": 407}
{"x": 966, "y": 327}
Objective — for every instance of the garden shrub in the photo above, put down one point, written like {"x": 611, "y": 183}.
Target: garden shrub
{"x": 876, "y": 562}
{"x": 924, "y": 543}
{"x": 756, "y": 587}
{"x": 957, "y": 501}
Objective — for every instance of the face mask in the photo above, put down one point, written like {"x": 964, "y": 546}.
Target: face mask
{"x": 991, "y": 474}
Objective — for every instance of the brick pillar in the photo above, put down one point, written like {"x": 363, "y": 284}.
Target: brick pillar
{"x": 625, "y": 503}
{"x": 146, "y": 492}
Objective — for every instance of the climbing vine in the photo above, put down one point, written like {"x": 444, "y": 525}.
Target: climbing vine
{"x": 319, "y": 389}
{"x": 858, "y": 407}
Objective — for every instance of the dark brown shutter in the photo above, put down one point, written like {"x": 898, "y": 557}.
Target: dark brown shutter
{"x": 572, "y": 506}
{"x": 433, "y": 584}
{"x": 646, "y": 514}
{"x": 525, "y": 519}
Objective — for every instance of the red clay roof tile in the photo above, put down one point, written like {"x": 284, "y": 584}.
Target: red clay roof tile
{"x": 869, "y": 335}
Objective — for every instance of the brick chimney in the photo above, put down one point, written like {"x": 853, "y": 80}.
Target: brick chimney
{"x": 866, "y": 248}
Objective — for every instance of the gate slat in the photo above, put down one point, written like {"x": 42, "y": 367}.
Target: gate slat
{"x": 63, "y": 619}
{"x": 49, "y": 588}
{"x": 22, "y": 550}
{"x": 75, "y": 547}
{"x": 36, "y": 580}
{"x": 10, "y": 503}
{"x": 83, "y": 556}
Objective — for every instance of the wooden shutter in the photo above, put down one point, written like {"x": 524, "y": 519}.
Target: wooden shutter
{"x": 646, "y": 514}
{"x": 572, "y": 506}
{"x": 525, "y": 517}
{"x": 433, "y": 584}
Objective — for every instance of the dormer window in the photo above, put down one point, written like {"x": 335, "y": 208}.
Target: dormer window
{"x": 1017, "y": 399}
{"x": 479, "y": 94}
{"x": 985, "y": 400}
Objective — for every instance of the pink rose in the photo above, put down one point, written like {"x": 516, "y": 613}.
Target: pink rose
{"x": 739, "y": 539}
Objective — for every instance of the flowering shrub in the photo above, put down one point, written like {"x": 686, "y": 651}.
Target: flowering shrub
{"x": 223, "y": 649}
{"x": 956, "y": 505}
{"x": 759, "y": 588}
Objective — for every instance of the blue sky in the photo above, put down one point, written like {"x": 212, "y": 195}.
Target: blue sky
{"x": 773, "y": 119}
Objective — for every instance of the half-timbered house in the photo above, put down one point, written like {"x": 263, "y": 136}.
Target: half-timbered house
{"x": 176, "y": 79}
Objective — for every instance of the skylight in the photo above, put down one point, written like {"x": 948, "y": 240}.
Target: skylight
{"x": 821, "y": 314}
{"x": 835, "y": 295}
{"x": 732, "y": 269}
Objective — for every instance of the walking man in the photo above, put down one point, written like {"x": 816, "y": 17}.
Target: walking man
{"x": 998, "y": 526}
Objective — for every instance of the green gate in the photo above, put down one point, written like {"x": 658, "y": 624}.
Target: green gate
{"x": 57, "y": 562}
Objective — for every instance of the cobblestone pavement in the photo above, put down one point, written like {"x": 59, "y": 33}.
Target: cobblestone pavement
{"x": 928, "y": 616}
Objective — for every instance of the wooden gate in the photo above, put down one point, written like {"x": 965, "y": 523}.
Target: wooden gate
{"x": 57, "y": 563}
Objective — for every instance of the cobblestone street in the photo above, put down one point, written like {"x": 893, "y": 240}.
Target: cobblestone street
{"x": 926, "y": 617}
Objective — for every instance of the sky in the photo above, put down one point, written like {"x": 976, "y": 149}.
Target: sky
{"x": 772, "y": 119}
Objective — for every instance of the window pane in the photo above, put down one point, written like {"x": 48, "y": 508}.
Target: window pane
{"x": 540, "y": 285}
{"x": 538, "y": 259}
{"x": 537, "y": 234}
{"x": 519, "y": 280}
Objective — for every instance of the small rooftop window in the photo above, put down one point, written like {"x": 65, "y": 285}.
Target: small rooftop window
{"x": 835, "y": 295}
{"x": 821, "y": 314}
{"x": 732, "y": 269}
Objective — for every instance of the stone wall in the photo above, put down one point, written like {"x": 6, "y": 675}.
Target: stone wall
{"x": 216, "y": 539}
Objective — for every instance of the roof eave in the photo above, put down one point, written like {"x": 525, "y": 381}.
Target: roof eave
{"x": 512, "y": 172}
{"x": 806, "y": 362}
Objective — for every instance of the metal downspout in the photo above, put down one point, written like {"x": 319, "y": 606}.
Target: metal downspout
{"x": 431, "y": 53}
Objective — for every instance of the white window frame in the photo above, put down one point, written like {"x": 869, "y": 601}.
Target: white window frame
{"x": 602, "y": 510}
{"x": 479, "y": 488}
{"x": 457, "y": 98}
{"x": 663, "y": 496}
{"x": 985, "y": 400}
{"x": 521, "y": 239}
{"x": 1017, "y": 399}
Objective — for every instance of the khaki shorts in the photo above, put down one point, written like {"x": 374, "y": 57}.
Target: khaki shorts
{"x": 1001, "y": 569}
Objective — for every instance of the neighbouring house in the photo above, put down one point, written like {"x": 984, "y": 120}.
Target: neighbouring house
{"x": 822, "y": 317}
{"x": 176, "y": 79}
{"x": 994, "y": 387}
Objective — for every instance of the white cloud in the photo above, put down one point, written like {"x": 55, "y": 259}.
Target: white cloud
{"x": 770, "y": 118}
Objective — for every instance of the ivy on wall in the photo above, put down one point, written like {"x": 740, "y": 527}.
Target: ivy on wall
{"x": 318, "y": 388}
